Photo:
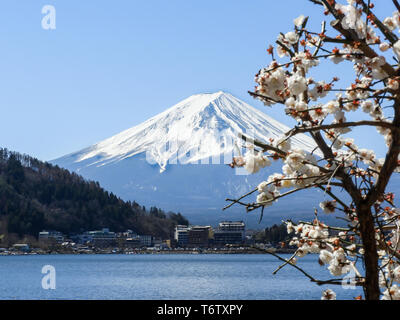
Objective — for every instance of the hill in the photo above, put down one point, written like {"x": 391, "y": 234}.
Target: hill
{"x": 35, "y": 195}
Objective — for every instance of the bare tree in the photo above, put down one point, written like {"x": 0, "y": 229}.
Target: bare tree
{"x": 356, "y": 36}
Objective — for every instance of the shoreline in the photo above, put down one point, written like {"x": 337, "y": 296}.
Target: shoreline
{"x": 147, "y": 252}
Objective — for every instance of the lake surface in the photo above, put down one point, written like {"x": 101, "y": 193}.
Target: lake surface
{"x": 158, "y": 276}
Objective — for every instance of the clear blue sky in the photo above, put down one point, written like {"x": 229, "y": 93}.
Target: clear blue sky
{"x": 110, "y": 65}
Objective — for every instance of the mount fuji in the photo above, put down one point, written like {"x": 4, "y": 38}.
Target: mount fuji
{"x": 178, "y": 159}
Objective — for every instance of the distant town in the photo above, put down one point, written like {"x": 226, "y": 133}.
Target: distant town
{"x": 227, "y": 237}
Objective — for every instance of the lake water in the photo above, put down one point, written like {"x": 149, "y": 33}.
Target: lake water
{"x": 169, "y": 276}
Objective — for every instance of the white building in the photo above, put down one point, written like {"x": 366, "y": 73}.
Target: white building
{"x": 182, "y": 235}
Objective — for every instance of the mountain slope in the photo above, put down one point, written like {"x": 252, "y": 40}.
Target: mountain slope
{"x": 35, "y": 195}
{"x": 163, "y": 160}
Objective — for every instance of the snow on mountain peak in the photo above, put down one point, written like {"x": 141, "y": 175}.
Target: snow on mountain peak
{"x": 197, "y": 129}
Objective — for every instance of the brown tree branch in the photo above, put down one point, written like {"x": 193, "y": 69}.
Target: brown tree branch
{"x": 328, "y": 154}
{"x": 396, "y": 4}
{"x": 391, "y": 160}
{"x": 388, "y": 34}
{"x": 359, "y": 282}
{"x": 383, "y": 124}
{"x": 366, "y": 49}
{"x": 253, "y": 94}
{"x": 264, "y": 146}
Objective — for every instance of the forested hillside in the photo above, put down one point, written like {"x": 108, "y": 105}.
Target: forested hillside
{"x": 35, "y": 195}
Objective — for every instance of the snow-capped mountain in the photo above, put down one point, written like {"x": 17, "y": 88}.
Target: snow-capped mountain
{"x": 177, "y": 159}
{"x": 195, "y": 125}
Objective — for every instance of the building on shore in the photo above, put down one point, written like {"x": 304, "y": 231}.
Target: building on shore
{"x": 181, "y": 235}
{"x": 227, "y": 232}
{"x": 192, "y": 236}
{"x": 51, "y": 236}
{"x": 128, "y": 239}
{"x": 230, "y": 232}
{"x": 146, "y": 240}
{"x": 102, "y": 238}
{"x": 199, "y": 236}
{"x": 21, "y": 247}
{"x": 132, "y": 242}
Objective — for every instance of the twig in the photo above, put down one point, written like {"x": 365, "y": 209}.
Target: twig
{"x": 312, "y": 279}
{"x": 236, "y": 201}
{"x": 264, "y": 146}
{"x": 285, "y": 263}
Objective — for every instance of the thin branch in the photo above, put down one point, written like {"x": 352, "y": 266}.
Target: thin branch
{"x": 285, "y": 263}
{"x": 253, "y": 94}
{"x": 312, "y": 279}
{"x": 334, "y": 197}
{"x": 328, "y": 154}
{"x": 383, "y": 124}
{"x": 320, "y": 40}
{"x": 237, "y": 200}
{"x": 264, "y": 146}
{"x": 254, "y": 206}
{"x": 365, "y": 48}
{"x": 388, "y": 34}
{"x": 285, "y": 48}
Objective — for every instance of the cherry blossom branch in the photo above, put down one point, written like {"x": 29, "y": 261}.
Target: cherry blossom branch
{"x": 388, "y": 34}
{"x": 281, "y": 153}
{"x": 355, "y": 54}
{"x": 264, "y": 146}
{"x": 320, "y": 40}
{"x": 359, "y": 282}
{"x": 366, "y": 49}
{"x": 328, "y": 154}
{"x": 253, "y": 94}
{"x": 325, "y": 226}
{"x": 391, "y": 161}
{"x": 334, "y": 197}
{"x": 366, "y": 186}
{"x": 285, "y": 48}
{"x": 237, "y": 200}
{"x": 253, "y": 206}
{"x": 350, "y": 34}
{"x": 383, "y": 124}
{"x": 318, "y": 178}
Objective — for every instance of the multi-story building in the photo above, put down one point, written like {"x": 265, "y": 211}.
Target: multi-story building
{"x": 83, "y": 238}
{"x": 128, "y": 239}
{"x": 127, "y": 234}
{"x": 132, "y": 242}
{"x": 198, "y": 236}
{"x": 101, "y": 238}
{"x": 181, "y": 235}
{"x": 51, "y": 236}
{"x": 230, "y": 232}
{"x": 146, "y": 240}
